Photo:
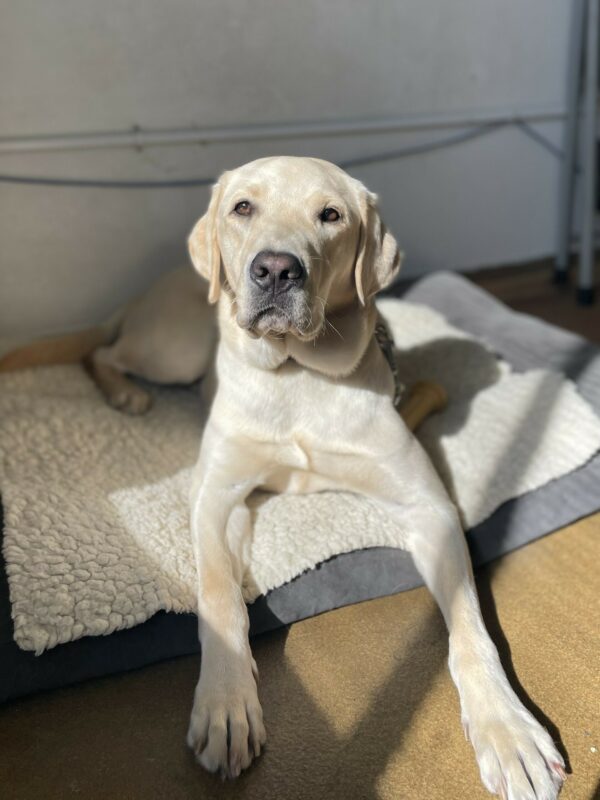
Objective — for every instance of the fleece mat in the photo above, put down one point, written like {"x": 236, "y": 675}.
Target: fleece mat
{"x": 96, "y": 531}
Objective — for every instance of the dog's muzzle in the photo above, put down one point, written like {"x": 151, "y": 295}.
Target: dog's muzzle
{"x": 277, "y": 301}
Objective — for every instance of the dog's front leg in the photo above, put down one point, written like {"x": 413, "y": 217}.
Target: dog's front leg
{"x": 516, "y": 756}
{"x": 226, "y": 727}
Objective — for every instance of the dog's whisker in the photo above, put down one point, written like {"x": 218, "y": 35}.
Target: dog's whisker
{"x": 333, "y": 328}
{"x": 327, "y": 322}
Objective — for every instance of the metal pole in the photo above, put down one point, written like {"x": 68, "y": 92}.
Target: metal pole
{"x": 585, "y": 280}
{"x": 567, "y": 171}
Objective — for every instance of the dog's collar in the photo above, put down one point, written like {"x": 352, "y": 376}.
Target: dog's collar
{"x": 386, "y": 343}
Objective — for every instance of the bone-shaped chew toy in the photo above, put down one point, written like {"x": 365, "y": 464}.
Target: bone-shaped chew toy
{"x": 424, "y": 398}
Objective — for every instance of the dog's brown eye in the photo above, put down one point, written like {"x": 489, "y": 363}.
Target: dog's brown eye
{"x": 243, "y": 208}
{"x": 329, "y": 215}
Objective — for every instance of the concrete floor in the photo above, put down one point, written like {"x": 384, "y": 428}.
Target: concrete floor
{"x": 358, "y": 702}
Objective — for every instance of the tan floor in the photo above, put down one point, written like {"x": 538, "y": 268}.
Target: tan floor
{"x": 358, "y": 702}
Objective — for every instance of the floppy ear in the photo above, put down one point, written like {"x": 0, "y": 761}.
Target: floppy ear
{"x": 378, "y": 258}
{"x": 203, "y": 246}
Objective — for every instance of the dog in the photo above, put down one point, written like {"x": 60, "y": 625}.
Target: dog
{"x": 293, "y": 251}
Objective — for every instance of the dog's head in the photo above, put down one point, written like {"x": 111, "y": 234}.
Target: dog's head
{"x": 291, "y": 239}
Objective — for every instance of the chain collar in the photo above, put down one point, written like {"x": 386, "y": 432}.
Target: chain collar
{"x": 386, "y": 343}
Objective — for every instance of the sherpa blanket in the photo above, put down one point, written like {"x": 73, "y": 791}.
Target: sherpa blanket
{"x": 96, "y": 509}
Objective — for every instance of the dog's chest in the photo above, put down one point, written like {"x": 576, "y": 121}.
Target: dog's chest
{"x": 300, "y": 409}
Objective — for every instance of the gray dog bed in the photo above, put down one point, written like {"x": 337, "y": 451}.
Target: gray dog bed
{"x": 364, "y": 574}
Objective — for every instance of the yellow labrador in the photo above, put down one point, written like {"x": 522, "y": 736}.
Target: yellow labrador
{"x": 294, "y": 251}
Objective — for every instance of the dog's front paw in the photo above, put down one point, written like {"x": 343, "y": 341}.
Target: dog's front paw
{"x": 516, "y": 756}
{"x": 226, "y": 727}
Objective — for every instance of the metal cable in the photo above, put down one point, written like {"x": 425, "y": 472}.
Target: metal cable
{"x": 427, "y": 147}
{"x": 105, "y": 184}
{"x": 360, "y": 161}
{"x": 534, "y": 134}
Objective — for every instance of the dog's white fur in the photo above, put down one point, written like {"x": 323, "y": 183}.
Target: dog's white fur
{"x": 302, "y": 403}
{"x": 294, "y": 413}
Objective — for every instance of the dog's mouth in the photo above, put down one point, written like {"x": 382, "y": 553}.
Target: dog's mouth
{"x": 273, "y": 320}
{"x": 269, "y": 319}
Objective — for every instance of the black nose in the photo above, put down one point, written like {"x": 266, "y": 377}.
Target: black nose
{"x": 277, "y": 272}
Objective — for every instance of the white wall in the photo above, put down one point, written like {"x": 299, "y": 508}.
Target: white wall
{"x": 69, "y": 66}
